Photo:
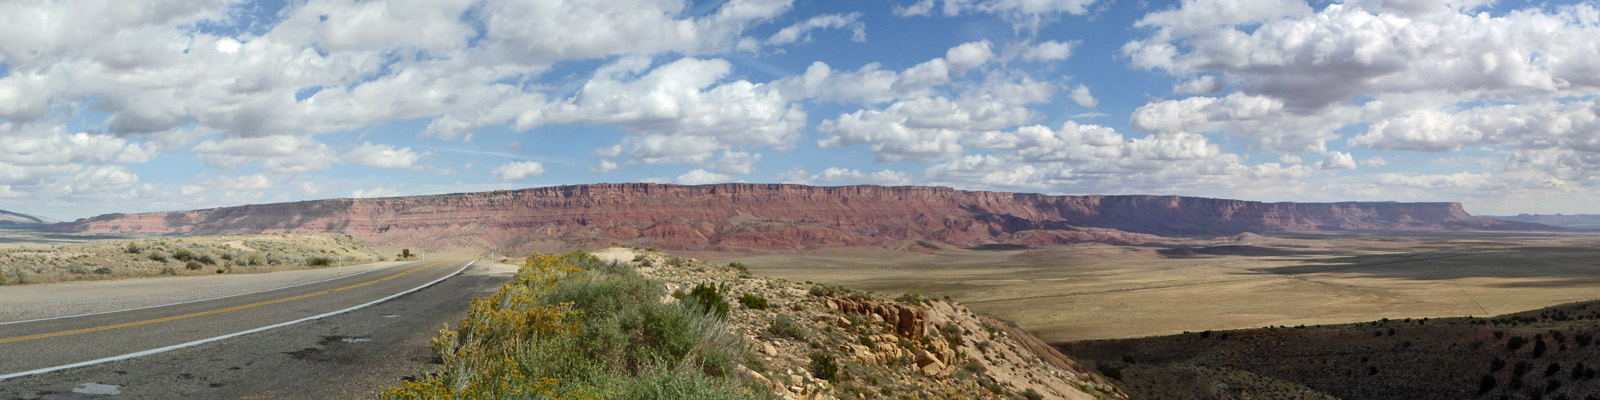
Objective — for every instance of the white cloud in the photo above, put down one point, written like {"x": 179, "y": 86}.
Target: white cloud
{"x": 1257, "y": 117}
{"x": 1081, "y": 96}
{"x": 835, "y": 175}
{"x": 604, "y": 166}
{"x": 518, "y": 170}
{"x": 277, "y": 154}
{"x": 801, "y": 31}
{"x": 1289, "y": 159}
{"x": 922, "y": 128}
{"x": 381, "y": 156}
{"x": 374, "y": 192}
{"x": 968, "y": 56}
{"x": 1205, "y": 84}
{"x": 701, "y": 177}
{"x": 1339, "y": 160}
{"x": 1374, "y": 162}
{"x": 1049, "y": 50}
{"x": 1023, "y": 14}
{"x": 1283, "y": 50}
{"x": 103, "y": 179}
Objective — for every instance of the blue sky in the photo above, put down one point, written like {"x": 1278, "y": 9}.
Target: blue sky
{"x": 152, "y": 105}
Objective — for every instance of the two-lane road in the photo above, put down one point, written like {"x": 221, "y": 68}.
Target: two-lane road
{"x": 39, "y": 346}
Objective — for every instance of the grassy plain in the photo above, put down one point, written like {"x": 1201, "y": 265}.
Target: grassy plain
{"x": 1082, "y": 292}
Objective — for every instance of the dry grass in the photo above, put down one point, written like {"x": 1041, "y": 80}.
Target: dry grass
{"x": 171, "y": 256}
{"x": 1084, "y": 292}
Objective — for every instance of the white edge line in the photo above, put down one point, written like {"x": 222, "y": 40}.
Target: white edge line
{"x": 231, "y": 335}
{"x": 200, "y": 300}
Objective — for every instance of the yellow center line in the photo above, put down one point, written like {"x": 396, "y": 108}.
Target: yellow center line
{"x": 203, "y": 313}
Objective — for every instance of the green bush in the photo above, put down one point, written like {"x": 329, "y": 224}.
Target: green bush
{"x": 739, "y": 267}
{"x": 193, "y": 265}
{"x": 785, "y": 326}
{"x": 103, "y": 270}
{"x": 132, "y": 248}
{"x": 574, "y": 326}
{"x": 1031, "y": 394}
{"x": 752, "y": 301}
{"x": 708, "y": 299}
{"x": 156, "y": 256}
{"x": 319, "y": 261}
{"x": 183, "y": 254}
{"x": 206, "y": 258}
{"x": 823, "y": 366}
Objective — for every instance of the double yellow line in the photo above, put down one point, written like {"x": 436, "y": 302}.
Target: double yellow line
{"x": 204, "y": 313}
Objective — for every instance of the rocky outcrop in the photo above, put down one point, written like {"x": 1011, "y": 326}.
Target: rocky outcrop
{"x": 778, "y": 216}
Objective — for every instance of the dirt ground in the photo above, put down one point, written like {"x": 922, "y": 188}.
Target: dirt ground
{"x": 1081, "y": 292}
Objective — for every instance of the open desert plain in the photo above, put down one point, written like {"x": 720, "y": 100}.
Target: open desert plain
{"x": 800, "y": 200}
{"x": 1080, "y": 292}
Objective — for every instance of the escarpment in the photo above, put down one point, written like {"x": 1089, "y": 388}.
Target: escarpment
{"x": 780, "y": 216}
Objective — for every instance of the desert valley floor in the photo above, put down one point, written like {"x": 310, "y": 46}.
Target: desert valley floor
{"x": 1084, "y": 292}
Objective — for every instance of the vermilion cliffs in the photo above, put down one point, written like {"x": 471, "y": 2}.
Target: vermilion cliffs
{"x": 779, "y": 216}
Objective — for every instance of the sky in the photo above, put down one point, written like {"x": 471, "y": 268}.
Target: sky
{"x": 159, "y": 105}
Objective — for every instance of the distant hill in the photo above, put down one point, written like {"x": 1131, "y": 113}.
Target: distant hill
{"x": 1588, "y": 222}
{"x": 781, "y": 216}
{"x": 11, "y": 218}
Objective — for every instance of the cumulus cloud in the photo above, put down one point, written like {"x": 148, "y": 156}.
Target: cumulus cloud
{"x": 1048, "y": 50}
{"x": 374, "y": 192}
{"x": 1374, "y": 162}
{"x": 1023, "y": 14}
{"x": 921, "y": 128}
{"x": 801, "y": 31}
{"x": 1081, "y": 96}
{"x": 835, "y": 175}
{"x": 1205, "y": 84}
{"x": 604, "y": 166}
{"x": 1339, "y": 160}
{"x": 277, "y": 154}
{"x": 968, "y": 56}
{"x": 701, "y": 177}
{"x": 1306, "y": 58}
{"x": 382, "y": 156}
{"x": 518, "y": 170}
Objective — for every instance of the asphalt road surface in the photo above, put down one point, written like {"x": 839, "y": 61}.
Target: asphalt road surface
{"x": 348, "y": 355}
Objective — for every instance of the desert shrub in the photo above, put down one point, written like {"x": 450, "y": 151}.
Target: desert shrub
{"x": 1496, "y": 364}
{"x": 909, "y": 299}
{"x": 1110, "y": 371}
{"x": 132, "y": 248}
{"x": 1031, "y": 394}
{"x": 183, "y": 254}
{"x": 572, "y": 326}
{"x": 206, "y": 258}
{"x": 77, "y": 268}
{"x": 103, "y": 270}
{"x": 739, "y": 267}
{"x": 1554, "y": 368}
{"x": 1486, "y": 384}
{"x": 823, "y": 366}
{"x": 193, "y": 265}
{"x": 752, "y": 301}
{"x": 156, "y": 256}
{"x": 1516, "y": 342}
{"x": 319, "y": 261}
{"x": 709, "y": 299}
{"x": 168, "y": 271}
{"x": 785, "y": 326}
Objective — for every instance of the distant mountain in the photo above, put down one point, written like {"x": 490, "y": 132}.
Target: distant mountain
{"x": 1588, "y": 222}
{"x": 11, "y": 218}
{"x": 781, "y": 216}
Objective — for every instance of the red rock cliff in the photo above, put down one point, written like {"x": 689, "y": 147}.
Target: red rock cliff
{"x": 777, "y": 216}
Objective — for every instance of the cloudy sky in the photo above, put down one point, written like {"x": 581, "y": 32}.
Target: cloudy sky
{"x": 150, "y": 105}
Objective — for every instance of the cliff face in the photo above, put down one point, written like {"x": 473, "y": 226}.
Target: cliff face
{"x": 778, "y": 216}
